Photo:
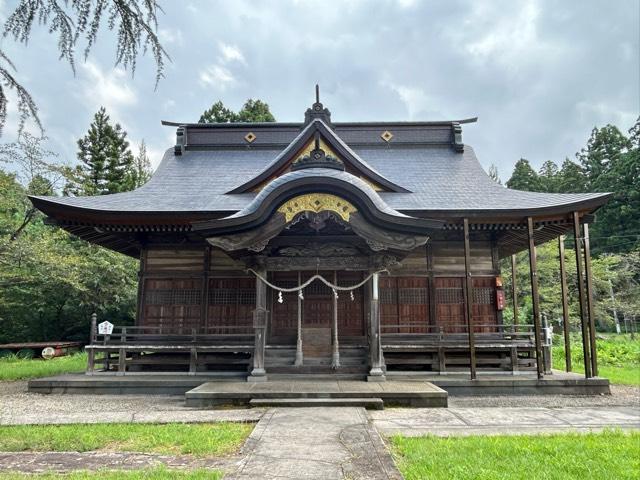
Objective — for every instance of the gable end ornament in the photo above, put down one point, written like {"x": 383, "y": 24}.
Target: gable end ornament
{"x": 316, "y": 203}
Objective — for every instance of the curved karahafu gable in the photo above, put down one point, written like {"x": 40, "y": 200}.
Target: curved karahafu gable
{"x": 315, "y": 193}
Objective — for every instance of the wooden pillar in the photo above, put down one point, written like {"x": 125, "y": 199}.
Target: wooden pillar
{"x": 204, "y": 296}
{"x": 141, "y": 289}
{"x": 565, "y": 306}
{"x": 335, "y": 355}
{"x": 299, "y": 355}
{"x": 535, "y": 299}
{"x": 592, "y": 325}
{"x": 91, "y": 354}
{"x": 376, "y": 373}
{"x": 468, "y": 300}
{"x": 259, "y": 374}
{"x": 514, "y": 292}
{"x": 583, "y": 308}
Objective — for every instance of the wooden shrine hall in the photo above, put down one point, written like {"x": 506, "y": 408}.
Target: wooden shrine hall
{"x": 322, "y": 248}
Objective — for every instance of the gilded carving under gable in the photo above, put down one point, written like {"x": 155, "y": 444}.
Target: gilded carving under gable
{"x": 317, "y": 202}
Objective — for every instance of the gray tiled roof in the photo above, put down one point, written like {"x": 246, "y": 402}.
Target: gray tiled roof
{"x": 439, "y": 179}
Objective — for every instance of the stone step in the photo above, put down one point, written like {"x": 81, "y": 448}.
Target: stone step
{"x": 370, "y": 403}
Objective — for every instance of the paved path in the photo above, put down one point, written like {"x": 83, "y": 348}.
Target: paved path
{"x": 316, "y": 443}
{"x": 491, "y": 421}
{"x": 158, "y": 416}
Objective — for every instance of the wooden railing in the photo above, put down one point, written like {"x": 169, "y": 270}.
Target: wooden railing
{"x": 153, "y": 335}
{"x": 419, "y": 333}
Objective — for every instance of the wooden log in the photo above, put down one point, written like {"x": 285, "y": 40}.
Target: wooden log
{"x": 514, "y": 291}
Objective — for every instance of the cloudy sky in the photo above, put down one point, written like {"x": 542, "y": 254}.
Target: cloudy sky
{"x": 538, "y": 74}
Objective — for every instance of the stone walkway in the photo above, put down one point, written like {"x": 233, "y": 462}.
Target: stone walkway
{"x": 316, "y": 443}
{"x": 502, "y": 421}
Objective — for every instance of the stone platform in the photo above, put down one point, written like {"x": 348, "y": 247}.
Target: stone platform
{"x": 392, "y": 393}
{"x": 458, "y": 383}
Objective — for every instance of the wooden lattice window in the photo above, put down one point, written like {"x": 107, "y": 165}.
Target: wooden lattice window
{"x": 173, "y": 305}
{"x": 404, "y": 304}
{"x": 231, "y": 302}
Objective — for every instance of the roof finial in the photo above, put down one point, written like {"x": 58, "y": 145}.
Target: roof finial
{"x": 317, "y": 111}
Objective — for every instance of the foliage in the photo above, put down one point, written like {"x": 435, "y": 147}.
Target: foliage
{"x": 493, "y": 174}
{"x": 620, "y": 272}
{"x": 618, "y": 357}
{"x": 50, "y": 281}
{"x": 107, "y": 164}
{"x": 252, "y": 111}
{"x": 14, "y": 368}
{"x": 610, "y": 454}
{"x": 134, "y": 21}
{"x": 169, "y": 439}
{"x": 141, "y": 172}
{"x": 524, "y": 177}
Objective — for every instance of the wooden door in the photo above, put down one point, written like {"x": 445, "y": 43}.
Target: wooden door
{"x": 351, "y": 312}
{"x": 484, "y": 304}
{"x": 284, "y": 316}
{"x": 404, "y": 304}
{"x": 231, "y": 303}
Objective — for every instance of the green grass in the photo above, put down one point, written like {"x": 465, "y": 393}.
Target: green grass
{"x": 618, "y": 357}
{"x": 146, "y": 474}
{"x": 610, "y": 454}
{"x": 14, "y": 368}
{"x": 171, "y": 439}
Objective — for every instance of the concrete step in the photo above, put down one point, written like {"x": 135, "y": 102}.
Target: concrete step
{"x": 370, "y": 403}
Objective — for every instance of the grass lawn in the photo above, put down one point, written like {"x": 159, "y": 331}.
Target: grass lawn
{"x": 14, "y": 368}
{"x": 618, "y": 357}
{"x": 562, "y": 457}
{"x": 214, "y": 439}
{"x": 147, "y": 474}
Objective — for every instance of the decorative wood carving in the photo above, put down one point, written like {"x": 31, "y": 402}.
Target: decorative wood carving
{"x": 379, "y": 239}
{"x": 317, "y": 202}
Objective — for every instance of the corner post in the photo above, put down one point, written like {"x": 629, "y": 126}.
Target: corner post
{"x": 565, "y": 306}
{"x": 592, "y": 326}
{"x": 299, "y": 355}
{"x": 535, "y": 298}
{"x": 376, "y": 373}
{"x": 259, "y": 374}
{"x": 583, "y": 307}
{"x": 468, "y": 299}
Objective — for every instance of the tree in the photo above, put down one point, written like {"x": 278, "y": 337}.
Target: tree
{"x": 134, "y": 21}
{"x": 218, "y": 113}
{"x": 252, "y": 111}
{"x": 493, "y": 174}
{"x": 571, "y": 178}
{"x": 549, "y": 177}
{"x": 603, "y": 151}
{"x": 524, "y": 177}
{"x": 255, "y": 111}
{"x": 107, "y": 163}
{"x": 35, "y": 168}
{"x": 141, "y": 171}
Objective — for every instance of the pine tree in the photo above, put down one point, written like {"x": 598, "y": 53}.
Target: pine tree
{"x": 218, "y": 113}
{"x": 255, "y": 111}
{"x": 106, "y": 161}
{"x": 549, "y": 177}
{"x": 493, "y": 174}
{"x": 571, "y": 178}
{"x": 141, "y": 172}
{"x": 524, "y": 177}
{"x": 603, "y": 150}
{"x": 251, "y": 111}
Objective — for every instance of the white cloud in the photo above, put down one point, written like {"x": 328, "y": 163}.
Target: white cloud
{"x": 171, "y": 36}
{"x": 217, "y": 76}
{"x": 108, "y": 89}
{"x": 231, "y": 53}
